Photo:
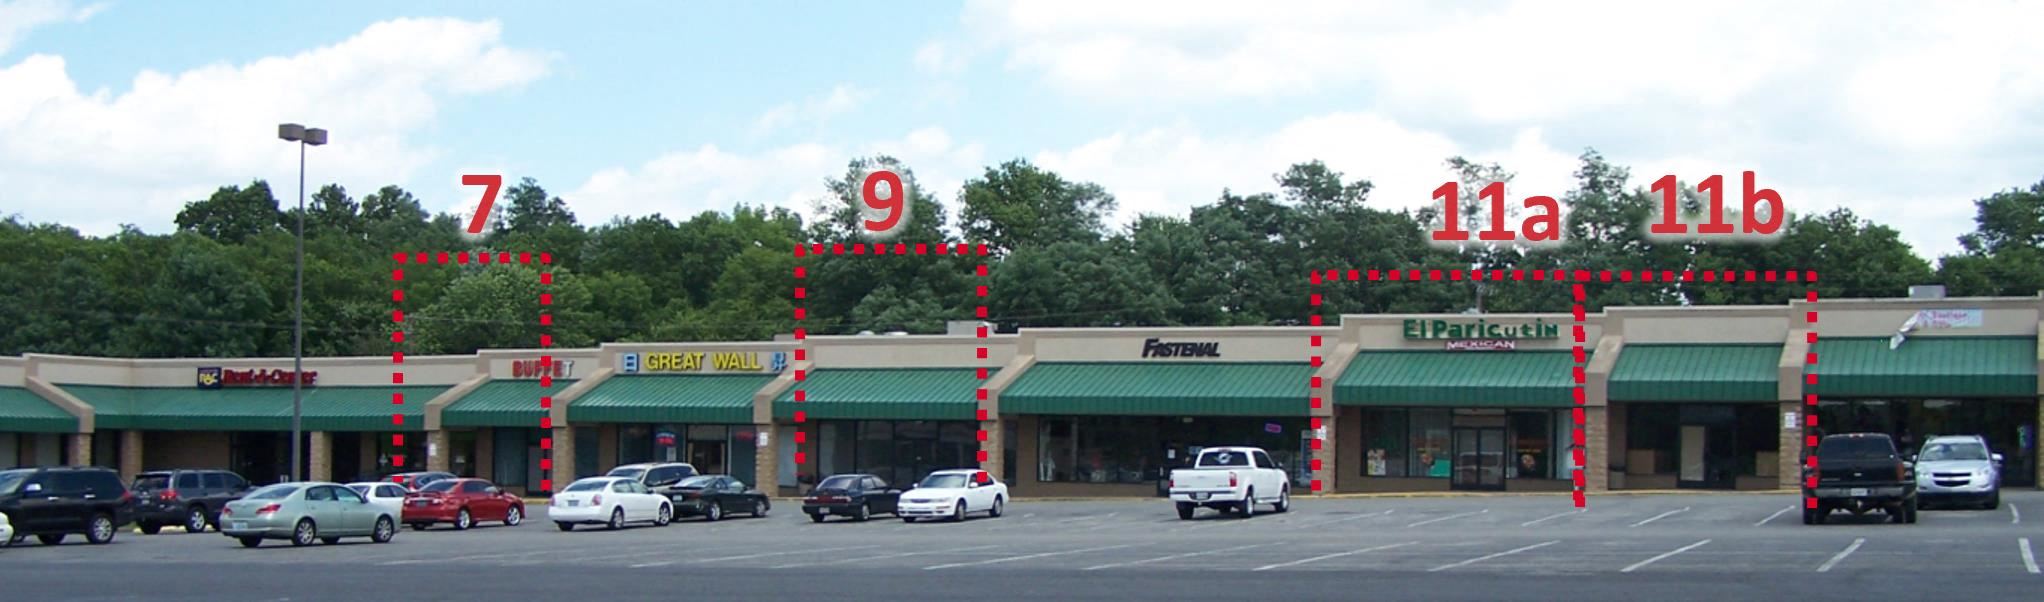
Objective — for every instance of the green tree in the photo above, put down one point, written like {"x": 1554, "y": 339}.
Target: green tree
{"x": 232, "y": 214}
{"x": 1018, "y": 205}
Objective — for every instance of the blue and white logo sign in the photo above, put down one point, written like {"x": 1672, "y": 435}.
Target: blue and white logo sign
{"x": 778, "y": 363}
{"x": 628, "y": 363}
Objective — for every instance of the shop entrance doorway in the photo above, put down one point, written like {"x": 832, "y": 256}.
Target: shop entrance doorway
{"x": 1479, "y": 459}
{"x": 1707, "y": 448}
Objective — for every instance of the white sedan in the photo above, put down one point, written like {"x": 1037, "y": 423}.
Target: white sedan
{"x": 383, "y": 494}
{"x": 609, "y": 501}
{"x": 953, "y": 494}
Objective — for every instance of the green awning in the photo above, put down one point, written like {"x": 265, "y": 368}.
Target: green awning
{"x": 691, "y": 398}
{"x": 1722, "y": 373}
{"x": 1161, "y": 389}
{"x": 325, "y": 408}
{"x": 1926, "y": 367}
{"x": 501, "y": 403}
{"x": 1458, "y": 379}
{"x": 885, "y": 394}
{"x": 23, "y": 411}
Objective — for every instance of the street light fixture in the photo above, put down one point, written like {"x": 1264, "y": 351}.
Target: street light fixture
{"x": 304, "y": 136}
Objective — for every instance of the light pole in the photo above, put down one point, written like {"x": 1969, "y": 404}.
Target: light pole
{"x": 292, "y": 132}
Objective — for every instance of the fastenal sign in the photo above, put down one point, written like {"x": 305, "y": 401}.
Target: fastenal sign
{"x": 1159, "y": 348}
{"x": 1480, "y": 329}
{"x": 702, "y": 361}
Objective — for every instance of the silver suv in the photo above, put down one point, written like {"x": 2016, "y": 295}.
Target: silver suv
{"x": 661, "y": 477}
{"x": 1958, "y": 469}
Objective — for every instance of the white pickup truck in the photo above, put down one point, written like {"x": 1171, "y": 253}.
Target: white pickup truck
{"x": 1231, "y": 478}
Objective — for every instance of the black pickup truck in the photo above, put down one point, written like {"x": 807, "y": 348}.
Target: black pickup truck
{"x": 1858, "y": 473}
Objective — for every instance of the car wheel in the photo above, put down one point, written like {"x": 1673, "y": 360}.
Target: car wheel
{"x": 865, "y": 512}
{"x": 665, "y": 517}
{"x": 463, "y": 520}
{"x": 1994, "y": 500}
{"x": 195, "y": 520}
{"x": 50, "y": 539}
{"x": 1284, "y": 502}
{"x": 101, "y": 529}
{"x": 815, "y": 517}
{"x": 513, "y": 516}
{"x": 1248, "y": 508}
{"x": 149, "y": 528}
{"x": 564, "y": 526}
{"x": 958, "y": 512}
{"x": 1809, "y": 516}
{"x": 1909, "y": 512}
{"x": 385, "y": 530}
{"x": 250, "y": 542}
{"x": 908, "y": 519}
{"x": 617, "y": 519}
{"x": 712, "y": 512}
{"x": 998, "y": 507}
{"x": 1185, "y": 510}
{"x": 759, "y": 508}
{"x": 304, "y": 533}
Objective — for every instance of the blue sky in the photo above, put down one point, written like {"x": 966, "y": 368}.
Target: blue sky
{"x": 644, "y": 107}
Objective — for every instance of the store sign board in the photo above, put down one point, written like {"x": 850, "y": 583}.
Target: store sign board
{"x": 1161, "y": 348}
{"x": 1928, "y": 319}
{"x": 1483, "y": 345}
{"x": 702, "y": 361}
{"x": 558, "y": 368}
{"x": 1480, "y": 329}
{"x": 214, "y": 377}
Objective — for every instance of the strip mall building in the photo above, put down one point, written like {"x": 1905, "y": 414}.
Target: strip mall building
{"x": 1703, "y": 397}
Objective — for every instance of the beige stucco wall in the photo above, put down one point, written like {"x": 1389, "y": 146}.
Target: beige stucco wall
{"x": 1242, "y": 344}
{"x": 13, "y": 371}
{"x": 1651, "y": 325}
{"x": 373, "y": 370}
{"x": 933, "y": 351}
{"x": 2002, "y": 316}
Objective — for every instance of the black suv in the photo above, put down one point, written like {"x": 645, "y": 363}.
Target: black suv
{"x": 53, "y": 502}
{"x": 1859, "y": 473}
{"x": 192, "y": 498}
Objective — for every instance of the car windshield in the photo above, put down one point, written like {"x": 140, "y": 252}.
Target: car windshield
{"x": 446, "y": 485}
{"x": 696, "y": 482}
{"x": 629, "y": 473}
{"x": 1855, "y": 447}
{"x": 1223, "y": 458}
{"x": 589, "y": 485}
{"x": 1953, "y": 451}
{"x": 152, "y": 481}
{"x": 273, "y": 492}
{"x": 942, "y": 481}
{"x": 841, "y": 483}
{"x": 11, "y": 480}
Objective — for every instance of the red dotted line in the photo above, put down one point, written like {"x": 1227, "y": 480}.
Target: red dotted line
{"x": 960, "y": 249}
{"x": 1810, "y": 405}
{"x": 1579, "y": 352}
{"x": 546, "y": 340}
{"x": 980, "y": 291}
{"x": 1313, "y": 400}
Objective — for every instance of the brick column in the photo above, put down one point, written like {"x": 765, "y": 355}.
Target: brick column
{"x": 563, "y": 471}
{"x": 81, "y": 448}
{"x": 321, "y": 455}
{"x": 437, "y": 451}
{"x": 1597, "y": 464}
{"x": 766, "y": 466}
{"x": 996, "y": 452}
{"x": 131, "y": 454}
{"x": 1789, "y": 458}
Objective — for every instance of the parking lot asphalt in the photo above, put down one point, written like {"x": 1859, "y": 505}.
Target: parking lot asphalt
{"x": 1683, "y": 547}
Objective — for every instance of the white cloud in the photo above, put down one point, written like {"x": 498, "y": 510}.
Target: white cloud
{"x": 940, "y": 58}
{"x": 18, "y": 17}
{"x": 812, "y": 111}
{"x": 96, "y": 159}
{"x": 681, "y": 184}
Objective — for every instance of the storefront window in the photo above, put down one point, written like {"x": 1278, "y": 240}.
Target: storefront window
{"x": 876, "y": 449}
{"x": 2009, "y": 426}
{"x": 634, "y": 444}
{"x": 743, "y": 454}
{"x": 1532, "y": 450}
{"x": 1652, "y": 438}
{"x": 1384, "y": 443}
{"x": 1140, "y": 449}
{"x": 1430, "y": 456}
{"x": 1414, "y": 443}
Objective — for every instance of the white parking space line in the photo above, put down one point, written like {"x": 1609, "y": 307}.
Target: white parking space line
{"x": 2029, "y": 559}
{"x": 1448, "y": 517}
{"x": 1334, "y": 555}
{"x": 1662, "y": 516}
{"x": 750, "y": 556}
{"x": 882, "y": 557}
{"x": 1177, "y": 556}
{"x": 1344, "y": 519}
{"x": 1542, "y": 520}
{"x": 1026, "y": 557}
{"x": 2015, "y": 516}
{"x": 1776, "y": 514}
{"x": 1841, "y": 555}
{"x": 1497, "y": 555}
{"x": 1635, "y": 566}
{"x": 465, "y": 558}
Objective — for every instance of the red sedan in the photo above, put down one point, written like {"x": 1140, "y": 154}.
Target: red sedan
{"x": 462, "y": 502}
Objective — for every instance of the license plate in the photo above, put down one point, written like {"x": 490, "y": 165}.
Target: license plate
{"x": 1857, "y": 492}
{"x": 1199, "y": 496}
{"x": 574, "y": 502}
{"x": 240, "y": 525}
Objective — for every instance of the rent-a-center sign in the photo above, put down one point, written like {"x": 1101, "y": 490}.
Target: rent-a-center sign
{"x": 215, "y": 378}
{"x": 1480, "y": 329}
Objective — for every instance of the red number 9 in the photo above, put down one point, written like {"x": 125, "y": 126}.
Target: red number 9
{"x": 892, "y": 205}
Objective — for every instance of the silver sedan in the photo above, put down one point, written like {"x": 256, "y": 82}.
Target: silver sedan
{"x": 303, "y": 512}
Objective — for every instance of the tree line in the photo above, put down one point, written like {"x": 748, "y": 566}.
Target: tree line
{"x": 221, "y": 284}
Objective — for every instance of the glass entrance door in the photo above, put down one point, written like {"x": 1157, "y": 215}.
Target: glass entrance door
{"x": 1479, "y": 459}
